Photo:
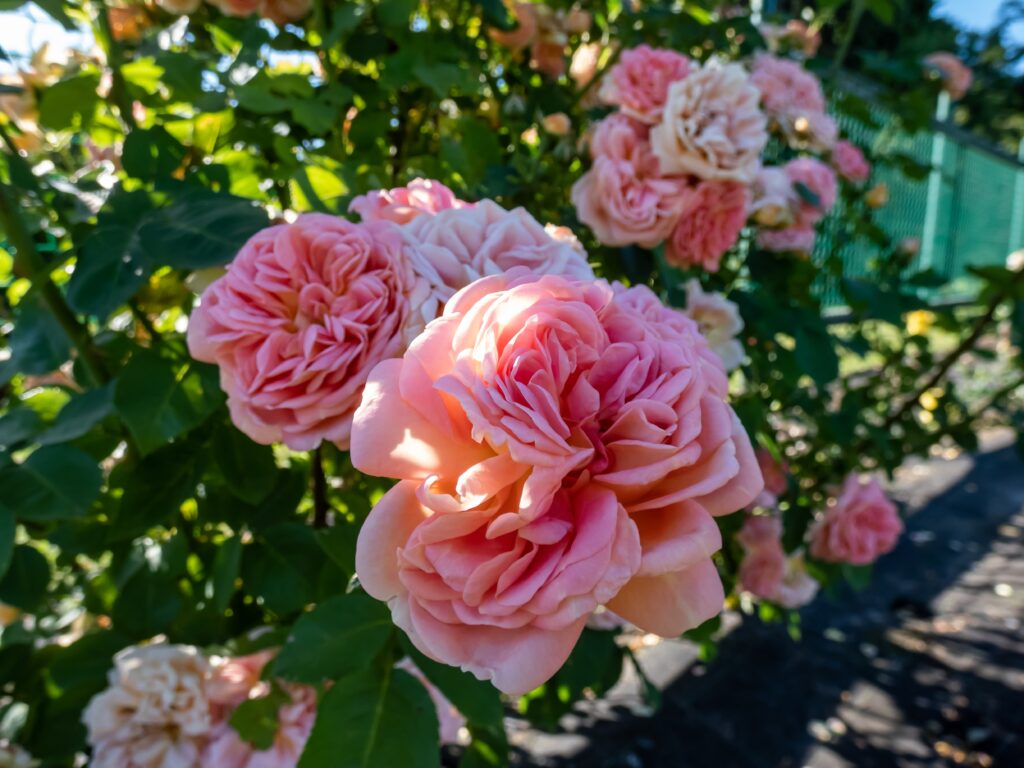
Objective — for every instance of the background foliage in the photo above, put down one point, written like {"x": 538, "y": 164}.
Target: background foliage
{"x": 130, "y": 505}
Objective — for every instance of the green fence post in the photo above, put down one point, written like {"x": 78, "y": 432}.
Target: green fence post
{"x": 1017, "y": 209}
{"x": 931, "y": 211}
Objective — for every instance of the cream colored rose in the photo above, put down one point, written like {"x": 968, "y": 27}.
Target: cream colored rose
{"x": 712, "y": 126}
{"x": 719, "y": 322}
{"x": 155, "y": 713}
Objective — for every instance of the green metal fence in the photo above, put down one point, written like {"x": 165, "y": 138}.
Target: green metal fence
{"x": 975, "y": 194}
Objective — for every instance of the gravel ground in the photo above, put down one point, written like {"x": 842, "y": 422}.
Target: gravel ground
{"x": 924, "y": 668}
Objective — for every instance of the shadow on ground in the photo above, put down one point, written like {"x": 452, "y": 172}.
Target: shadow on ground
{"x": 924, "y": 668}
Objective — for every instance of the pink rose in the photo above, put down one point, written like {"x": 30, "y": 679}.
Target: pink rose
{"x": 862, "y": 525}
{"x": 712, "y": 126}
{"x": 818, "y": 179}
{"x": 449, "y": 720}
{"x": 303, "y": 313}
{"x": 457, "y": 246}
{"x": 548, "y": 56}
{"x": 956, "y": 76}
{"x": 403, "y": 204}
{"x": 713, "y": 215}
{"x": 775, "y": 474}
{"x": 764, "y": 563}
{"x": 232, "y": 680}
{"x": 525, "y": 31}
{"x": 795, "y": 239}
{"x": 560, "y": 444}
{"x": 850, "y": 162}
{"x": 226, "y": 749}
{"x": 638, "y": 84}
{"x": 621, "y": 138}
{"x": 791, "y": 95}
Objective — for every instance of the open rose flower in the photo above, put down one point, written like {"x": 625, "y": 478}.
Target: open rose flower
{"x": 862, "y": 525}
{"x": 797, "y": 587}
{"x": 850, "y": 162}
{"x": 302, "y": 315}
{"x": 625, "y": 203}
{"x": 764, "y": 562}
{"x": 403, "y": 204}
{"x": 560, "y": 445}
{"x": 712, "y": 217}
{"x": 461, "y": 244}
{"x": 226, "y": 749}
{"x": 719, "y": 321}
{"x": 638, "y": 84}
{"x": 816, "y": 178}
{"x": 955, "y": 75}
{"x": 795, "y": 239}
{"x": 712, "y": 126}
{"x": 772, "y": 198}
{"x": 793, "y": 100}
{"x": 621, "y": 138}
{"x": 155, "y": 713}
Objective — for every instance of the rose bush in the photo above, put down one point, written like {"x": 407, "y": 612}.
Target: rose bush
{"x": 354, "y": 352}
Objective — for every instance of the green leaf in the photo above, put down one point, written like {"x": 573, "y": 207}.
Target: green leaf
{"x": 84, "y": 663}
{"x": 248, "y": 467}
{"x": 282, "y": 568}
{"x": 27, "y": 579}
{"x": 155, "y": 489}
{"x": 200, "y": 229}
{"x": 80, "y": 415}
{"x": 339, "y": 542}
{"x": 496, "y": 13}
{"x": 477, "y": 700}
{"x": 8, "y": 531}
{"x": 227, "y": 564}
{"x": 147, "y": 604}
{"x": 38, "y": 344}
{"x": 70, "y": 103}
{"x": 815, "y": 353}
{"x": 339, "y": 636}
{"x": 151, "y": 153}
{"x": 159, "y": 401}
{"x": 256, "y": 720}
{"x": 54, "y": 483}
{"x": 374, "y": 718}
{"x": 18, "y": 426}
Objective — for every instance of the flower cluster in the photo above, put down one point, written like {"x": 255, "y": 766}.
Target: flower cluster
{"x": 544, "y": 32}
{"x": 680, "y": 161}
{"x": 307, "y": 309}
{"x": 675, "y": 161}
{"x": 170, "y": 706}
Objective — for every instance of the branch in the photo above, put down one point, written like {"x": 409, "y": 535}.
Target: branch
{"x": 31, "y": 265}
{"x": 964, "y": 346}
{"x": 321, "y": 505}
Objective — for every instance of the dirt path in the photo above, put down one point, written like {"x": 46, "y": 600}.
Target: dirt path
{"x": 924, "y": 668}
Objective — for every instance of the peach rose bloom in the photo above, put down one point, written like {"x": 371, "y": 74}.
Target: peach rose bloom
{"x": 127, "y": 23}
{"x": 794, "y": 239}
{"x": 583, "y": 65}
{"x": 449, "y": 720}
{"x": 797, "y": 587}
{"x": 557, "y": 124}
{"x": 560, "y": 444}
{"x": 819, "y": 179}
{"x": 155, "y": 713}
{"x": 282, "y": 12}
{"x": 719, "y": 322}
{"x": 710, "y": 223}
{"x": 788, "y": 91}
{"x": 772, "y": 198}
{"x": 862, "y": 525}
{"x": 403, "y": 204}
{"x": 956, "y": 76}
{"x": 850, "y": 163}
{"x": 877, "y": 196}
{"x": 457, "y": 246}
{"x": 232, "y": 680}
{"x": 525, "y": 31}
{"x": 712, "y": 126}
{"x": 638, "y": 84}
{"x": 303, "y": 313}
